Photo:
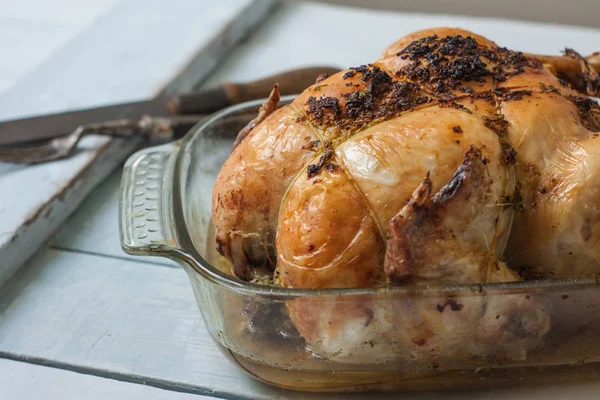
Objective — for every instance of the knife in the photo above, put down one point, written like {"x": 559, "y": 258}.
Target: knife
{"x": 205, "y": 101}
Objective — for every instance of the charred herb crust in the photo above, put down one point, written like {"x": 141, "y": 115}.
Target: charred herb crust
{"x": 589, "y": 112}
{"x": 324, "y": 162}
{"x": 507, "y": 94}
{"x": 437, "y": 65}
{"x": 500, "y": 125}
{"x": 551, "y": 88}
{"x": 376, "y": 96}
{"x": 449, "y": 62}
{"x": 321, "y": 107}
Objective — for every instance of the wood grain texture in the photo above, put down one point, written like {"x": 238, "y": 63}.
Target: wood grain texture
{"x": 31, "y": 30}
{"x": 140, "y": 323}
{"x": 94, "y": 227}
{"x": 20, "y": 380}
{"x": 130, "y": 53}
{"x": 111, "y": 316}
{"x": 41, "y": 197}
{"x": 136, "y": 50}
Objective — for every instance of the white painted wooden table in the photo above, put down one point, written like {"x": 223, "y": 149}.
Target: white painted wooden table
{"x": 82, "y": 319}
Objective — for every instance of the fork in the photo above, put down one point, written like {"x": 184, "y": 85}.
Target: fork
{"x": 153, "y": 129}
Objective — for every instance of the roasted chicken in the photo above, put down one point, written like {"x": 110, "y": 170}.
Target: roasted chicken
{"x": 448, "y": 160}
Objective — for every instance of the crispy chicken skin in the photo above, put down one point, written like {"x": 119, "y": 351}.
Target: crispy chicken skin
{"x": 448, "y": 160}
{"x": 427, "y": 240}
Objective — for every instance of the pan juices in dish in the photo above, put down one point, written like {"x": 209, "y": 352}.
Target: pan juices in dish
{"x": 450, "y": 160}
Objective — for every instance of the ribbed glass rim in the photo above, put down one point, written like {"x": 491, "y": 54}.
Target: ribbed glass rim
{"x": 190, "y": 256}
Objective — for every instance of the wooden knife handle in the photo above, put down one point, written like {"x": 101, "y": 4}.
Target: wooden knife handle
{"x": 227, "y": 94}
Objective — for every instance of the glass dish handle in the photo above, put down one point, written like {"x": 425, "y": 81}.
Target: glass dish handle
{"x": 145, "y": 216}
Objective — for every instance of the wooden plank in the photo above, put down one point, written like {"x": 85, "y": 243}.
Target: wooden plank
{"x": 30, "y": 212}
{"x": 20, "y": 380}
{"x": 40, "y": 28}
{"x": 129, "y": 53}
{"x": 132, "y": 52}
{"x": 116, "y": 317}
{"x": 94, "y": 227}
{"x": 119, "y": 319}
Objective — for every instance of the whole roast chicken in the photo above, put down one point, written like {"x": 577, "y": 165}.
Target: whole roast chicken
{"x": 449, "y": 160}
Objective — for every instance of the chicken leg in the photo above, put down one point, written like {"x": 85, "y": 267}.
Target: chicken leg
{"x": 428, "y": 244}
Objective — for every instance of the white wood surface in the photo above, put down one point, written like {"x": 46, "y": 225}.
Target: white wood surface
{"x": 20, "y": 380}
{"x": 31, "y": 30}
{"x": 131, "y": 52}
{"x": 122, "y": 319}
{"x": 109, "y": 315}
{"x": 37, "y": 199}
{"x": 118, "y": 317}
{"x": 94, "y": 228}
{"x": 127, "y": 54}
{"x": 27, "y": 38}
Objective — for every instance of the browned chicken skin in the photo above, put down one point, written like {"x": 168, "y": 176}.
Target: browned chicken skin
{"x": 442, "y": 162}
{"x": 426, "y": 241}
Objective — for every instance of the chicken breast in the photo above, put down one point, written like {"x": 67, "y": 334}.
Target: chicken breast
{"x": 449, "y": 160}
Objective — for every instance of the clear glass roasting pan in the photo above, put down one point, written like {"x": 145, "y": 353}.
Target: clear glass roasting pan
{"x": 165, "y": 211}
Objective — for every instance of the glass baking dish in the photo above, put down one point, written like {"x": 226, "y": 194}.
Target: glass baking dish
{"x": 165, "y": 211}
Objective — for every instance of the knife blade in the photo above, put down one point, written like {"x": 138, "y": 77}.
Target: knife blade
{"x": 205, "y": 101}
